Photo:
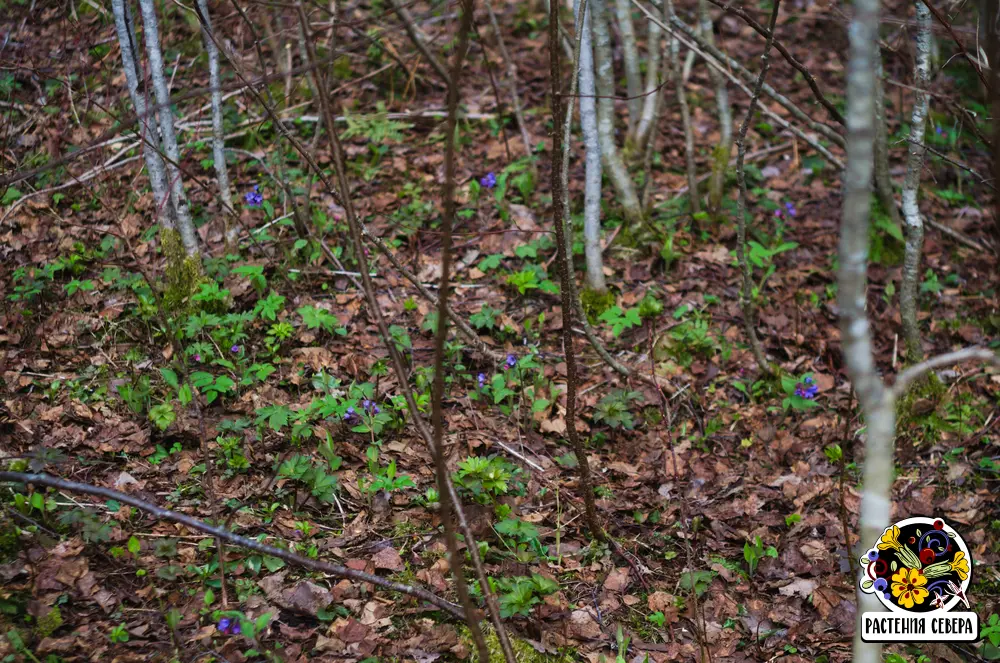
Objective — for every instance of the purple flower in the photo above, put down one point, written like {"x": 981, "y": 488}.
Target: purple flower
{"x": 511, "y": 361}
{"x": 370, "y": 407}
{"x": 489, "y": 181}
{"x": 807, "y": 389}
{"x": 235, "y": 630}
{"x": 777, "y": 213}
{"x": 790, "y": 208}
{"x": 197, "y": 356}
{"x": 482, "y": 379}
{"x": 235, "y": 348}
{"x": 938, "y": 130}
{"x": 881, "y": 584}
{"x": 349, "y": 414}
{"x": 253, "y": 197}
{"x": 224, "y": 624}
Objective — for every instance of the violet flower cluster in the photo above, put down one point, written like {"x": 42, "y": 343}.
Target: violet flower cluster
{"x": 254, "y": 198}
{"x": 229, "y": 626}
{"x": 807, "y": 389}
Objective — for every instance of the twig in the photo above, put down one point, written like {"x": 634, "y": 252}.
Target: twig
{"x": 219, "y": 532}
{"x": 418, "y": 39}
{"x": 746, "y": 292}
{"x": 716, "y": 58}
{"x": 512, "y": 76}
{"x": 914, "y": 373}
{"x": 798, "y": 66}
{"x": 441, "y": 334}
{"x": 355, "y": 228}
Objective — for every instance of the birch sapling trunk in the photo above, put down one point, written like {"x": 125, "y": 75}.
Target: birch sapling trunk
{"x": 148, "y": 130}
{"x": 851, "y": 283}
{"x": 908, "y": 291}
{"x": 185, "y": 225}
{"x": 883, "y": 180}
{"x": 592, "y": 177}
{"x": 625, "y": 189}
{"x": 675, "y": 66}
{"x": 647, "y": 116}
{"x": 218, "y": 136}
{"x": 630, "y": 57}
{"x": 722, "y": 151}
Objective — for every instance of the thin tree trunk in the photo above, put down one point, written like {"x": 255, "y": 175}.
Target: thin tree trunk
{"x": 605, "y": 82}
{"x": 855, "y": 330}
{"x": 647, "y": 116}
{"x": 185, "y": 225}
{"x": 630, "y": 56}
{"x": 908, "y": 299}
{"x": 722, "y": 151}
{"x": 148, "y": 130}
{"x": 692, "y": 169}
{"x": 883, "y": 181}
{"x": 746, "y": 292}
{"x": 218, "y": 139}
{"x": 592, "y": 177}
{"x": 565, "y": 260}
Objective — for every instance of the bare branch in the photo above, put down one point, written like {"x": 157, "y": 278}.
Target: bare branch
{"x": 914, "y": 373}
{"x": 222, "y": 533}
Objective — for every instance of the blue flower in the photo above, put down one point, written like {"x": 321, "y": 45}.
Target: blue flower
{"x": 511, "y": 361}
{"x": 349, "y": 414}
{"x": 489, "y": 181}
{"x": 235, "y": 348}
{"x": 482, "y": 379}
{"x": 790, "y": 208}
{"x": 224, "y": 624}
{"x": 254, "y": 198}
{"x": 807, "y": 389}
{"x": 938, "y": 130}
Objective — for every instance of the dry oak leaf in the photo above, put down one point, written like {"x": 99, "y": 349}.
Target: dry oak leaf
{"x": 387, "y": 558}
{"x": 583, "y": 625}
{"x": 617, "y": 580}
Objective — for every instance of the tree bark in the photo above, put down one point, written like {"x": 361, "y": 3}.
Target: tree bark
{"x": 908, "y": 296}
{"x": 592, "y": 178}
{"x": 852, "y": 277}
{"x": 148, "y": 130}
{"x": 647, "y": 115}
{"x": 883, "y": 181}
{"x": 185, "y": 225}
{"x": 218, "y": 139}
{"x": 630, "y": 57}
{"x": 605, "y": 82}
{"x": 692, "y": 169}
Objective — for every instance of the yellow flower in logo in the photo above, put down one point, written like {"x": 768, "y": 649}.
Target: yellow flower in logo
{"x": 908, "y": 587}
{"x": 890, "y": 539}
{"x": 960, "y": 565}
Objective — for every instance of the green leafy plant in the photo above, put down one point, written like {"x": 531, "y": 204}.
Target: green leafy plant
{"x": 755, "y": 552}
{"x": 520, "y": 594}
{"x": 118, "y": 634}
{"x": 317, "y": 318}
{"x": 614, "y": 409}
{"x": 488, "y": 478}
{"x": 621, "y": 320}
{"x": 303, "y": 469}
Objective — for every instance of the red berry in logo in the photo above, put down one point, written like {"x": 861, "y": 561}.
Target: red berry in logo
{"x": 926, "y": 556}
{"x": 939, "y": 524}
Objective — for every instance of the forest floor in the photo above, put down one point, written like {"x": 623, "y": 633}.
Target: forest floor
{"x": 729, "y": 499}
